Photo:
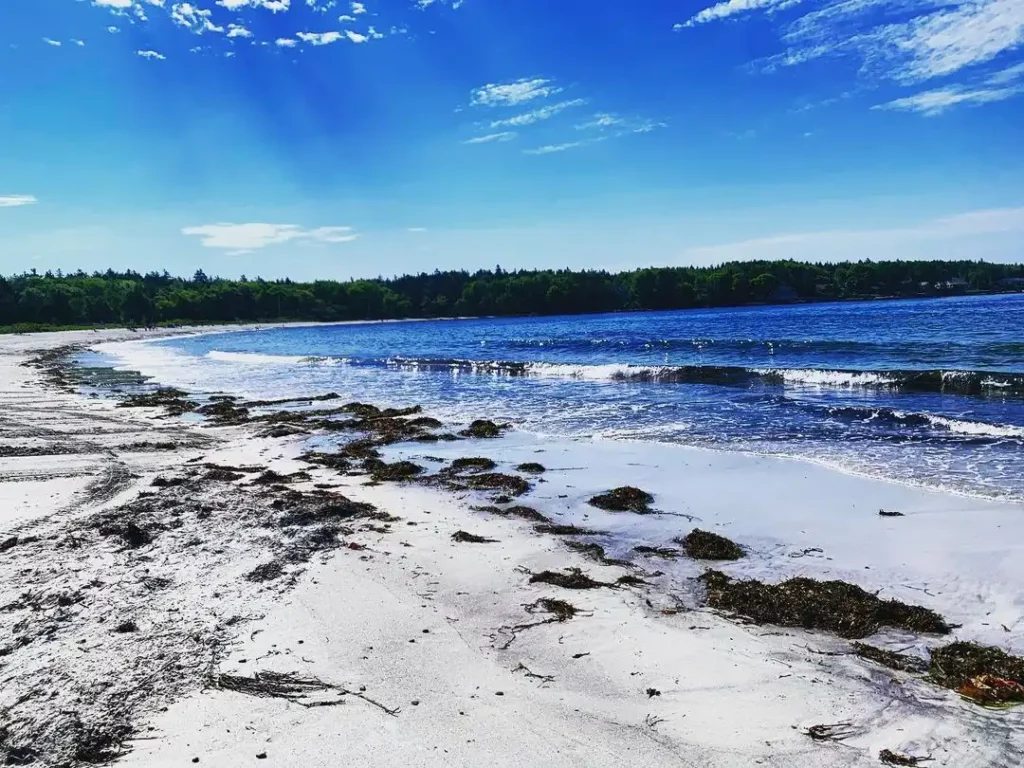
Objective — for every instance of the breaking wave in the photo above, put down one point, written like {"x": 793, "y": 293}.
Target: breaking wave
{"x": 994, "y": 383}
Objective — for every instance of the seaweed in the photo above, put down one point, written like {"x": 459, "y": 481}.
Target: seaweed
{"x": 561, "y": 610}
{"x": 980, "y": 673}
{"x": 223, "y": 475}
{"x": 224, "y": 411}
{"x": 902, "y": 662}
{"x": 265, "y": 572}
{"x": 498, "y": 481}
{"x": 888, "y": 757}
{"x": 131, "y": 533}
{"x": 174, "y": 401}
{"x": 836, "y": 606}
{"x": 571, "y": 578}
{"x": 484, "y": 428}
{"x": 666, "y": 553}
{"x": 468, "y": 538}
{"x": 398, "y": 471}
{"x": 307, "y": 508}
{"x": 532, "y": 467}
{"x": 556, "y": 529}
{"x": 704, "y": 545}
{"x": 475, "y": 463}
{"x": 623, "y": 499}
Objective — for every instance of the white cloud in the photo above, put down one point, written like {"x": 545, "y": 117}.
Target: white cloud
{"x": 355, "y": 37}
{"x": 416, "y": 229}
{"x": 492, "y": 137}
{"x": 113, "y": 30}
{"x": 50, "y": 41}
{"x": 935, "y": 102}
{"x": 548, "y": 149}
{"x": 119, "y": 4}
{"x": 79, "y": 43}
{"x": 242, "y": 238}
{"x": 998, "y": 86}
{"x": 511, "y": 94}
{"x": 275, "y": 6}
{"x": 601, "y": 120}
{"x": 151, "y": 55}
{"x": 909, "y": 41}
{"x": 16, "y": 201}
{"x": 536, "y": 115}
{"x": 237, "y": 30}
{"x": 285, "y": 42}
{"x": 358, "y": 8}
{"x": 972, "y": 235}
{"x": 731, "y": 8}
{"x": 193, "y": 19}
{"x": 319, "y": 38}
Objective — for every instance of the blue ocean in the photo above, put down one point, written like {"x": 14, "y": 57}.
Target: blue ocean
{"x": 927, "y": 391}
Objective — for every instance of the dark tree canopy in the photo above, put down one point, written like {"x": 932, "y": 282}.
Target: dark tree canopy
{"x": 32, "y": 301}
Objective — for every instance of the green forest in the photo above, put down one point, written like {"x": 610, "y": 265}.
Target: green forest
{"x": 34, "y": 301}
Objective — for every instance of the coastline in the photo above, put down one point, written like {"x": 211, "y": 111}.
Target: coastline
{"x": 414, "y": 617}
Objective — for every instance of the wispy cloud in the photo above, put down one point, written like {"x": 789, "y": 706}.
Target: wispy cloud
{"x": 492, "y": 137}
{"x": 237, "y": 30}
{"x": 731, "y": 8}
{"x": 536, "y": 115}
{"x": 243, "y": 238}
{"x": 286, "y": 42}
{"x": 319, "y": 38}
{"x": 618, "y": 125}
{"x": 416, "y": 229}
{"x": 79, "y": 43}
{"x": 151, "y": 55}
{"x": 907, "y": 41}
{"x": 998, "y": 86}
{"x": 357, "y": 8}
{"x": 118, "y": 4}
{"x": 50, "y": 41}
{"x": 551, "y": 148}
{"x": 16, "y": 201}
{"x": 274, "y": 6}
{"x": 513, "y": 93}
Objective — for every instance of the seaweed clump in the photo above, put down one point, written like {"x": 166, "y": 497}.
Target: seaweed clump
{"x": 484, "y": 428}
{"x": 836, "y": 606}
{"x": 981, "y": 673}
{"x": 704, "y": 545}
{"x": 174, "y": 401}
{"x": 888, "y": 757}
{"x": 498, "y": 481}
{"x": 473, "y": 464}
{"x": 571, "y": 578}
{"x": 903, "y": 662}
{"x": 532, "y": 467}
{"x": 398, "y": 471}
{"x": 463, "y": 537}
{"x": 623, "y": 499}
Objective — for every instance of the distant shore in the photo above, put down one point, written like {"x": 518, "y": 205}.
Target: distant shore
{"x": 150, "y": 583}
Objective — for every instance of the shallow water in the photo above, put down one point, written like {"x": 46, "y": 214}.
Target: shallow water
{"x": 922, "y": 391}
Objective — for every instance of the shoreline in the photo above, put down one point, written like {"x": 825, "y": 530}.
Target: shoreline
{"x": 411, "y": 616}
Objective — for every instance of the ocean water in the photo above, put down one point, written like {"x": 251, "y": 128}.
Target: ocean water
{"x": 929, "y": 392}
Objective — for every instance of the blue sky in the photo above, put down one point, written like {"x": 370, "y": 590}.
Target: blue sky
{"x": 310, "y": 138}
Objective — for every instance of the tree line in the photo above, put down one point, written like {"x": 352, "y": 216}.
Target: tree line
{"x": 35, "y": 301}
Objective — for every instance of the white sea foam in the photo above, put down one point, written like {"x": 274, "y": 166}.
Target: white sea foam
{"x": 976, "y": 427}
{"x": 253, "y": 358}
{"x": 829, "y": 378}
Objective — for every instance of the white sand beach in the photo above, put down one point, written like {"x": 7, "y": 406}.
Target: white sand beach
{"x": 420, "y": 642}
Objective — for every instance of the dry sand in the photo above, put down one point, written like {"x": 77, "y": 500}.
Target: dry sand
{"x": 413, "y": 635}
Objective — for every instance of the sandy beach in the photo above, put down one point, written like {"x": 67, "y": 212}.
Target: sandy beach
{"x": 135, "y": 612}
